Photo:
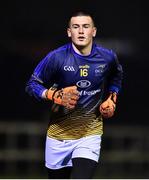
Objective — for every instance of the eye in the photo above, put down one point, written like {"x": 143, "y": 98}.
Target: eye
{"x": 86, "y": 26}
{"x": 75, "y": 26}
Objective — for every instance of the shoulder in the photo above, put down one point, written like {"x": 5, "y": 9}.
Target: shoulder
{"x": 104, "y": 50}
{"x": 105, "y": 53}
{"x": 56, "y": 57}
{"x": 60, "y": 51}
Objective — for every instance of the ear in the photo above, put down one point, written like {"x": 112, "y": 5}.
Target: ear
{"x": 68, "y": 32}
{"x": 94, "y": 31}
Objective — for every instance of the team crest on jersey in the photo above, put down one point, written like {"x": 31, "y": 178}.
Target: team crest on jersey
{"x": 100, "y": 69}
{"x": 69, "y": 68}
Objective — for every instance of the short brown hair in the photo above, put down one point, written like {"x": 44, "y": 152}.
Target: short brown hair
{"x": 81, "y": 13}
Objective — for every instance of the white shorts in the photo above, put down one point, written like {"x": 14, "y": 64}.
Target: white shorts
{"x": 59, "y": 153}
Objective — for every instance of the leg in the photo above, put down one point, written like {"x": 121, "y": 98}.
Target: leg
{"x": 83, "y": 168}
{"x": 63, "y": 173}
{"x": 58, "y": 158}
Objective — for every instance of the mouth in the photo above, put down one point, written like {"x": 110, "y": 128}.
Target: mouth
{"x": 81, "y": 38}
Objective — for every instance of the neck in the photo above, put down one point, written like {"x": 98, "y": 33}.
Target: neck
{"x": 82, "y": 50}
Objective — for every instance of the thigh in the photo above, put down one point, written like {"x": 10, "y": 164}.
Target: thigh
{"x": 63, "y": 173}
{"x": 83, "y": 168}
{"x": 88, "y": 147}
{"x": 58, "y": 153}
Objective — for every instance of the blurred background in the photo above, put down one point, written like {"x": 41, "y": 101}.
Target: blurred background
{"x": 28, "y": 31}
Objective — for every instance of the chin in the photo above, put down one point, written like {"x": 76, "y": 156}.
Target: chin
{"x": 81, "y": 44}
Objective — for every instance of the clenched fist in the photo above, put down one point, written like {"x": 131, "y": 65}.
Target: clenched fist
{"x": 107, "y": 108}
{"x": 67, "y": 97}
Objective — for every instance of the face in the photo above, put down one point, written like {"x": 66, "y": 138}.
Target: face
{"x": 81, "y": 31}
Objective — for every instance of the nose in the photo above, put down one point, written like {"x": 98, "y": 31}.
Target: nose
{"x": 81, "y": 30}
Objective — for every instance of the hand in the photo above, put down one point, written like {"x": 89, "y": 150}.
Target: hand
{"x": 67, "y": 97}
{"x": 107, "y": 108}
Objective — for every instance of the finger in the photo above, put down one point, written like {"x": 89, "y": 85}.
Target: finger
{"x": 69, "y": 103}
{"x": 69, "y": 106}
{"x": 72, "y": 102}
{"x": 107, "y": 115}
{"x": 105, "y": 109}
{"x": 71, "y": 94}
{"x": 75, "y": 92}
{"x": 109, "y": 110}
{"x": 74, "y": 97}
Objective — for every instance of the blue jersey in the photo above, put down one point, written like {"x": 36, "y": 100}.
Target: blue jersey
{"x": 94, "y": 75}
